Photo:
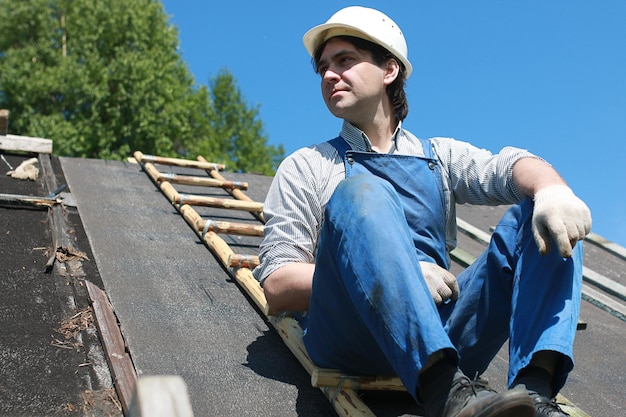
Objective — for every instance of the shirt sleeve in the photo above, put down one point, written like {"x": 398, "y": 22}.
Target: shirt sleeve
{"x": 293, "y": 211}
{"x": 477, "y": 176}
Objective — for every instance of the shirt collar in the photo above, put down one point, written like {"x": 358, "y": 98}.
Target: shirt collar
{"x": 358, "y": 140}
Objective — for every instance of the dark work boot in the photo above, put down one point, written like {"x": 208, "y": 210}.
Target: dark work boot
{"x": 537, "y": 382}
{"x": 469, "y": 399}
{"x": 546, "y": 407}
{"x": 461, "y": 397}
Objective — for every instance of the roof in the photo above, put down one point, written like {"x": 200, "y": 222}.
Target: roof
{"x": 181, "y": 312}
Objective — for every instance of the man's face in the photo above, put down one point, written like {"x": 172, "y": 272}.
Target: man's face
{"x": 353, "y": 86}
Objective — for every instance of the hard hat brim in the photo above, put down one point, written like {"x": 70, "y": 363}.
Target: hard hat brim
{"x": 319, "y": 34}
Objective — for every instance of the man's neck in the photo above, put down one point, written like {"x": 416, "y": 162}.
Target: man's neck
{"x": 380, "y": 134}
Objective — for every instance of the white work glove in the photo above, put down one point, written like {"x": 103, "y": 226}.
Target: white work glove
{"x": 559, "y": 215}
{"x": 26, "y": 171}
{"x": 441, "y": 283}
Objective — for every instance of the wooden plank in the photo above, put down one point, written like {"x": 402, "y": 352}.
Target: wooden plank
{"x": 4, "y": 122}
{"x": 290, "y": 331}
{"x": 334, "y": 378}
{"x": 25, "y": 144}
{"x": 187, "y": 163}
{"x": 201, "y": 181}
{"x": 569, "y": 407}
{"x": 347, "y": 403}
{"x": 230, "y": 228}
{"x": 151, "y": 170}
{"x": 226, "y": 203}
{"x": 120, "y": 363}
{"x": 243, "y": 261}
{"x": 28, "y": 201}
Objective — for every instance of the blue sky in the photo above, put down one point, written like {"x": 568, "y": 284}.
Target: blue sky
{"x": 547, "y": 76}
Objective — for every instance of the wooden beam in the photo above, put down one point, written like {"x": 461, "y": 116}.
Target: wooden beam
{"x": 226, "y": 203}
{"x": 202, "y": 226}
{"x": 186, "y": 163}
{"x": 25, "y": 144}
{"x": 290, "y": 331}
{"x": 347, "y": 403}
{"x": 122, "y": 369}
{"x": 243, "y": 261}
{"x": 335, "y": 378}
{"x": 230, "y": 228}
{"x": 28, "y": 201}
{"x": 569, "y": 407}
{"x": 201, "y": 181}
{"x": 4, "y": 122}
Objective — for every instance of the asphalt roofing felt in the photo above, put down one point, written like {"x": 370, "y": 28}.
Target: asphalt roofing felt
{"x": 181, "y": 313}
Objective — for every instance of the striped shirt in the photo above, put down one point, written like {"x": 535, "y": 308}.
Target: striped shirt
{"x": 306, "y": 179}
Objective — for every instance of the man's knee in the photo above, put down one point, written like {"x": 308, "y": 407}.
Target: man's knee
{"x": 364, "y": 189}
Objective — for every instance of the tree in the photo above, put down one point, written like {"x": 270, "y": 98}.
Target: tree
{"x": 242, "y": 139}
{"x": 104, "y": 78}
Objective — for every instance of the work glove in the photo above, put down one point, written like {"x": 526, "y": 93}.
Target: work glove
{"x": 26, "y": 171}
{"x": 560, "y": 216}
{"x": 441, "y": 283}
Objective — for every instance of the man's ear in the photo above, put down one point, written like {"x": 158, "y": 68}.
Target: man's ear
{"x": 392, "y": 70}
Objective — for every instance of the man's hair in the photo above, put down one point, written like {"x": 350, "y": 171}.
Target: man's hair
{"x": 380, "y": 55}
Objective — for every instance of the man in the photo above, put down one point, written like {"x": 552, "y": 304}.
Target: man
{"x": 358, "y": 233}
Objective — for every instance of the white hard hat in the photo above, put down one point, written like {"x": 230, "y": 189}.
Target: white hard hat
{"x": 364, "y": 23}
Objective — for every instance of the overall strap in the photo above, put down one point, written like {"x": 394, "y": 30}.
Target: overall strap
{"x": 427, "y": 146}
{"x": 341, "y": 145}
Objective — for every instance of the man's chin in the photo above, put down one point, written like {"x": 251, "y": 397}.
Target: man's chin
{"x": 337, "y": 110}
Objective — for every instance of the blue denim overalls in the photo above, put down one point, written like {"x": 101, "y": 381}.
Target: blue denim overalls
{"x": 371, "y": 311}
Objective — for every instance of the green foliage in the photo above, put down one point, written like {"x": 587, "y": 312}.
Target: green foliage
{"x": 104, "y": 78}
{"x": 242, "y": 139}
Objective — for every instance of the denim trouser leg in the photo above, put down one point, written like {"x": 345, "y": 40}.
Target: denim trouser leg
{"x": 371, "y": 311}
{"x": 513, "y": 291}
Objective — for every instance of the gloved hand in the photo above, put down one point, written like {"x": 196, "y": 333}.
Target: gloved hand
{"x": 559, "y": 215}
{"x": 441, "y": 283}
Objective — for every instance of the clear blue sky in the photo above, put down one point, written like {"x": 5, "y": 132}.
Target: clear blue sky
{"x": 547, "y": 76}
